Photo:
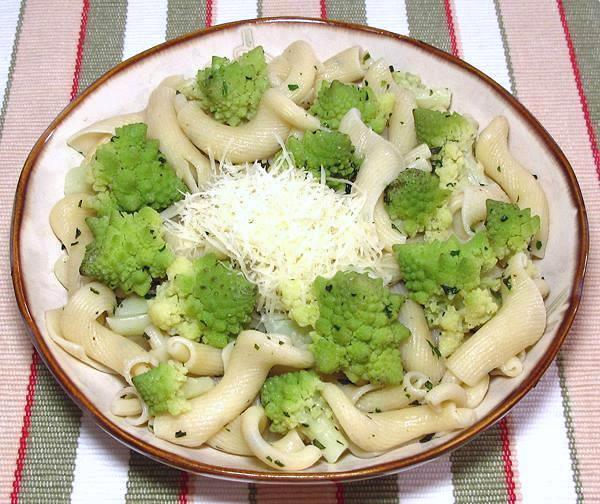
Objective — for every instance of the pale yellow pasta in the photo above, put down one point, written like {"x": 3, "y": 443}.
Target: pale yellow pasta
{"x": 355, "y": 392}
{"x": 388, "y": 235}
{"x": 511, "y": 368}
{"x": 230, "y": 438}
{"x": 129, "y": 326}
{"x": 523, "y": 189}
{"x": 187, "y": 161}
{"x": 384, "y": 431}
{"x": 159, "y": 343}
{"x": 299, "y": 82}
{"x": 519, "y": 323}
{"x": 79, "y": 324}
{"x": 473, "y": 209}
{"x": 401, "y": 126}
{"x": 86, "y": 140}
{"x": 67, "y": 219}
{"x": 198, "y": 358}
{"x": 345, "y": 66}
{"x": 419, "y": 353}
{"x": 128, "y": 404}
{"x": 444, "y": 393}
{"x": 251, "y": 359}
{"x": 195, "y": 386}
{"x": 272, "y": 455}
{"x": 475, "y": 394}
{"x": 259, "y": 138}
{"x": 395, "y": 396}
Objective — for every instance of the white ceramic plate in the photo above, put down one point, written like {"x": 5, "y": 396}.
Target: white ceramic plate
{"x": 126, "y": 89}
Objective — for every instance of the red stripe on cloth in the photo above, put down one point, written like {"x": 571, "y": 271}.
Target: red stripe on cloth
{"x": 509, "y": 474}
{"x": 184, "y": 489}
{"x": 14, "y": 496}
{"x": 582, "y": 97}
{"x": 82, "y": 31}
{"x": 209, "y": 13}
{"x": 339, "y": 493}
{"x": 323, "y": 10}
{"x": 451, "y": 27}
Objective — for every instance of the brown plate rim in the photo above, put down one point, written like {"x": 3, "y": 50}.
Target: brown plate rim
{"x": 298, "y": 477}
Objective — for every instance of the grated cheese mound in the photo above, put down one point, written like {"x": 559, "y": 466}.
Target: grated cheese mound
{"x": 278, "y": 226}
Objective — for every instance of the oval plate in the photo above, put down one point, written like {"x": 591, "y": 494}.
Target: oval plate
{"x": 125, "y": 88}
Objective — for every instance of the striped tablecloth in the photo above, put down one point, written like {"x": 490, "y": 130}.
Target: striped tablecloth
{"x": 545, "y": 51}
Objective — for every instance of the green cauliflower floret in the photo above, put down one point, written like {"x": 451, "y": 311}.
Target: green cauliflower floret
{"x": 357, "y": 331}
{"x": 161, "y": 388}
{"x": 132, "y": 172}
{"x": 331, "y": 150}
{"x": 231, "y": 90}
{"x": 426, "y": 97}
{"x": 335, "y": 98}
{"x": 437, "y": 128}
{"x": 301, "y": 305}
{"x": 128, "y": 250}
{"x": 293, "y": 401}
{"x": 204, "y": 300}
{"x": 509, "y": 228}
{"x": 416, "y": 200}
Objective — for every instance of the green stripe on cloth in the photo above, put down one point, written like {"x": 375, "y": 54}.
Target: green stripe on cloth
{"x": 583, "y": 18}
{"x": 184, "y": 16}
{"x": 478, "y": 470}
{"x": 381, "y": 490}
{"x": 353, "y": 11}
{"x": 51, "y": 444}
{"x": 11, "y": 68}
{"x": 427, "y": 22}
{"x": 566, "y": 403}
{"x": 511, "y": 74}
{"x": 150, "y": 481}
{"x": 103, "y": 47}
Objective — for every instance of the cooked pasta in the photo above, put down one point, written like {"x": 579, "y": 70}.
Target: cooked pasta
{"x": 276, "y": 265}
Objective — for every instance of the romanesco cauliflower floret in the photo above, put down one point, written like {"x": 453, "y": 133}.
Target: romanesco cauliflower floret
{"x": 302, "y": 306}
{"x": 331, "y": 150}
{"x": 426, "y": 97}
{"x": 160, "y": 388}
{"x": 132, "y": 172}
{"x": 414, "y": 201}
{"x": 335, "y": 98}
{"x": 357, "y": 331}
{"x": 128, "y": 250}
{"x": 437, "y": 128}
{"x": 203, "y": 300}
{"x": 509, "y": 228}
{"x": 293, "y": 401}
{"x": 450, "y": 165}
{"x": 231, "y": 90}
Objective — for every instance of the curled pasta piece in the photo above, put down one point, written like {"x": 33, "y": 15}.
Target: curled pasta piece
{"x": 419, "y": 353}
{"x": 519, "y": 323}
{"x": 354, "y": 392}
{"x": 188, "y": 162}
{"x": 251, "y": 359}
{"x": 257, "y": 139}
{"x": 345, "y": 66}
{"x": 79, "y": 324}
{"x": 473, "y": 204}
{"x": 230, "y": 438}
{"x": 401, "y": 127}
{"x": 67, "y": 219}
{"x": 382, "y": 161}
{"x": 127, "y": 403}
{"x": 86, "y": 140}
{"x": 523, "y": 189}
{"x": 384, "y": 431}
{"x": 446, "y": 392}
{"x": 302, "y": 71}
{"x": 511, "y": 368}
{"x": 475, "y": 394}
{"x": 198, "y": 358}
{"x": 388, "y": 235}
{"x": 272, "y": 455}
{"x": 543, "y": 287}
{"x": 396, "y": 396}
{"x": 158, "y": 343}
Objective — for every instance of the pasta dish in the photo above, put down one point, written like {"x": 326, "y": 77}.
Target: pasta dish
{"x": 294, "y": 259}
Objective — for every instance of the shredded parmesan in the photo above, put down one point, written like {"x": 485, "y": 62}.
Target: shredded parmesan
{"x": 279, "y": 225}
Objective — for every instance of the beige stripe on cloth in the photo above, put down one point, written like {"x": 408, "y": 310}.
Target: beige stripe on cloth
{"x": 309, "y": 8}
{"x": 545, "y": 83}
{"x": 40, "y": 88}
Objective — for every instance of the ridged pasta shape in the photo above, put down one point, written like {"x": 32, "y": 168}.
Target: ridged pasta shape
{"x": 257, "y": 139}
{"x": 67, "y": 220}
{"x": 444, "y": 393}
{"x": 401, "y": 126}
{"x": 251, "y": 359}
{"x": 273, "y": 455}
{"x": 387, "y": 430}
{"x": 418, "y": 350}
{"x": 491, "y": 149}
{"x": 473, "y": 209}
{"x": 79, "y": 324}
{"x": 302, "y": 67}
{"x": 230, "y": 438}
{"x": 198, "y": 358}
{"x": 475, "y": 394}
{"x": 188, "y": 162}
{"x": 396, "y": 396}
{"x": 519, "y": 323}
{"x": 86, "y": 140}
{"x": 345, "y": 66}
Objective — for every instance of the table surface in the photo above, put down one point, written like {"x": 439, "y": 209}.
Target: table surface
{"x": 544, "y": 51}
